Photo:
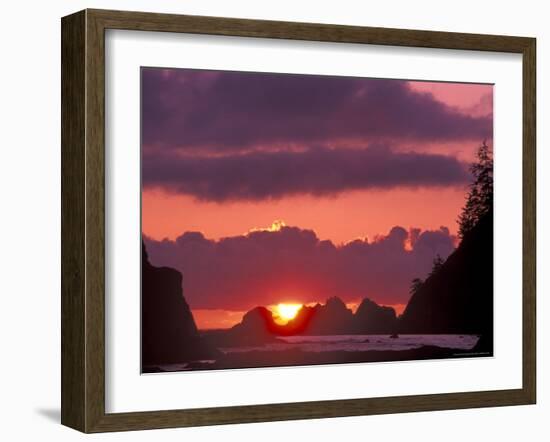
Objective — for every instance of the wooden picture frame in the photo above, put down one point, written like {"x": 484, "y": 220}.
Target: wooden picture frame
{"x": 83, "y": 220}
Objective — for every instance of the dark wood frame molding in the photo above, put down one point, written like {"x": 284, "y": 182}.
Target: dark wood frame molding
{"x": 83, "y": 218}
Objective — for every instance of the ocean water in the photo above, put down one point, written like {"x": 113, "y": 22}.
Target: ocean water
{"x": 362, "y": 343}
{"x": 347, "y": 343}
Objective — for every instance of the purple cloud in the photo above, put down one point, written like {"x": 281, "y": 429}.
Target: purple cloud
{"x": 321, "y": 171}
{"x": 292, "y": 264}
{"x": 233, "y": 111}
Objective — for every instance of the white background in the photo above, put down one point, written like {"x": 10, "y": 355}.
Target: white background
{"x": 30, "y": 194}
{"x": 128, "y": 391}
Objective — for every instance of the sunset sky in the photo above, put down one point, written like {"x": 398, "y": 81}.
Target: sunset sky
{"x": 366, "y": 178}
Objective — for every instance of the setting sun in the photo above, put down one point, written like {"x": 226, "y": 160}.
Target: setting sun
{"x": 286, "y": 312}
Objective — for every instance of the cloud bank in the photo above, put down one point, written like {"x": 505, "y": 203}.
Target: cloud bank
{"x": 293, "y": 264}
{"x": 230, "y": 111}
{"x": 264, "y": 175}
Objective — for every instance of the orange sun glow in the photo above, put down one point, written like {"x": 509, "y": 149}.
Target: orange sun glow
{"x": 286, "y": 312}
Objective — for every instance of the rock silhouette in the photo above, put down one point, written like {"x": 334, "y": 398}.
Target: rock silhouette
{"x": 458, "y": 297}
{"x": 168, "y": 331}
{"x": 371, "y": 318}
{"x": 332, "y": 318}
{"x": 256, "y": 328}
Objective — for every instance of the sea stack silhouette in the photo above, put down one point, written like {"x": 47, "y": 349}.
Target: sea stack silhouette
{"x": 257, "y": 327}
{"x": 371, "y": 318}
{"x": 169, "y": 334}
{"x": 332, "y": 318}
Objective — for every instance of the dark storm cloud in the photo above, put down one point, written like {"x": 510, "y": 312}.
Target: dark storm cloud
{"x": 292, "y": 264}
{"x": 320, "y": 171}
{"x": 224, "y": 111}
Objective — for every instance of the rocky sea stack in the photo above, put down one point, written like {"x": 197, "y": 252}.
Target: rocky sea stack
{"x": 169, "y": 334}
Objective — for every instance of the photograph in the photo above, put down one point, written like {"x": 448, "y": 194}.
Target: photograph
{"x": 301, "y": 219}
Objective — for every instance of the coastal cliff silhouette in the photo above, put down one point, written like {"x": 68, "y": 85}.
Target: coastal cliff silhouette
{"x": 458, "y": 298}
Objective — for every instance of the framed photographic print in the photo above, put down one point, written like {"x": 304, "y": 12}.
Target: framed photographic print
{"x": 270, "y": 220}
